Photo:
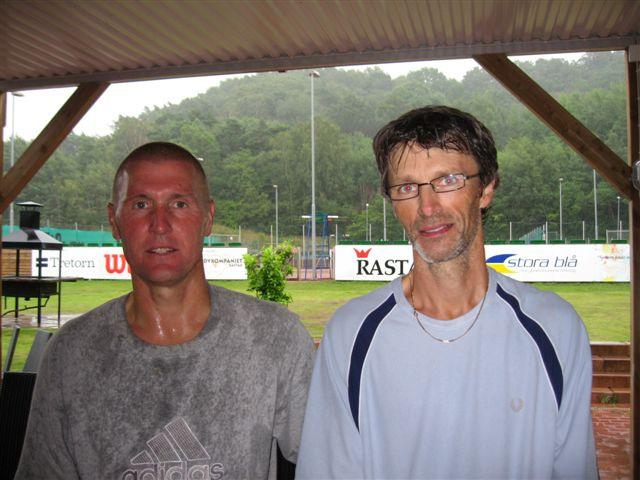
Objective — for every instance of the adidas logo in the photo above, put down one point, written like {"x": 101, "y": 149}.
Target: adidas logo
{"x": 173, "y": 454}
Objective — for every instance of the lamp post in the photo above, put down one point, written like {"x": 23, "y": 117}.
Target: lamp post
{"x": 276, "y": 187}
{"x": 384, "y": 219}
{"x": 13, "y": 137}
{"x": 619, "y": 224}
{"x": 366, "y": 223}
{"x": 560, "y": 208}
{"x": 313, "y": 75}
{"x": 335, "y": 218}
{"x": 595, "y": 204}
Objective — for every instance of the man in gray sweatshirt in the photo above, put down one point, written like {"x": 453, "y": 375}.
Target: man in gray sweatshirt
{"x": 177, "y": 379}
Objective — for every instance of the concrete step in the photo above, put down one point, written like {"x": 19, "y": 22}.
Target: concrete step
{"x": 612, "y": 380}
{"x": 611, "y": 364}
{"x": 610, "y": 396}
{"x": 611, "y": 349}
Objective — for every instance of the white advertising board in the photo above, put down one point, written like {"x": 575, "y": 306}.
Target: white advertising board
{"x": 562, "y": 263}
{"x": 372, "y": 262}
{"x": 108, "y": 263}
{"x": 528, "y": 263}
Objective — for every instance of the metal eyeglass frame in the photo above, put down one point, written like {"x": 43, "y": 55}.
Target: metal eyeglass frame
{"x": 431, "y": 184}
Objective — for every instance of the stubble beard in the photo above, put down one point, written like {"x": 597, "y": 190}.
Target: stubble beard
{"x": 459, "y": 250}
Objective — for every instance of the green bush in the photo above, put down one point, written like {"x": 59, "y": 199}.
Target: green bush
{"x": 267, "y": 273}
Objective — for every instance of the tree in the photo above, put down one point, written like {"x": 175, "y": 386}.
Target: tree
{"x": 254, "y": 132}
{"x": 268, "y": 272}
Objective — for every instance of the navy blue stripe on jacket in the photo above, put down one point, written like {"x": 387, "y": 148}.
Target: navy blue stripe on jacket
{"x": 547, "y": 352}
{"x": 359, "y": 353}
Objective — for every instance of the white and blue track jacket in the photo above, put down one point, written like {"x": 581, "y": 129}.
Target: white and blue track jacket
{"x": 510, "y": 399}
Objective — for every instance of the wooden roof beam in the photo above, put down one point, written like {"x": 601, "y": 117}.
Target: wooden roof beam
{"x": 555, "y": 116}
{"x": 49, "y": 139}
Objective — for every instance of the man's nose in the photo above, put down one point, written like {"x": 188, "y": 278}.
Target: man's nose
{"x": 160, "y": 222}
{"x": 429, "y": 200}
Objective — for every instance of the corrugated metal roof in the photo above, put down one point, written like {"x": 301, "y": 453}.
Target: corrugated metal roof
{"x": 48, "y": 43}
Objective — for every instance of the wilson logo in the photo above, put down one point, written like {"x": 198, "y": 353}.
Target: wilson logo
{"x": 116, "y": 263}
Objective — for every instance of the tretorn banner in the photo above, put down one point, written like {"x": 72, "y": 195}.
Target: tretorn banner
{"x": 108, "y": 263}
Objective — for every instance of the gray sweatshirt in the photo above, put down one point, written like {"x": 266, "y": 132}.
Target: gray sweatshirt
{"x": 108, "y": 405}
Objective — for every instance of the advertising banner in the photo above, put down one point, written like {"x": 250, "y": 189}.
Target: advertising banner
{"x": 372, "y": 262}
{"x": 528, "y": 263}
{"x": 562, "y": 263}
{"x": 108, "y": 263}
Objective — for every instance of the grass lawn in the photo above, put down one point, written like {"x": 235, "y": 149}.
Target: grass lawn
{"x": 604, "y": 307}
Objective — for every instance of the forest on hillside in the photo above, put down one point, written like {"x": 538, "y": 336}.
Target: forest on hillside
{"x": 254, "y": 132}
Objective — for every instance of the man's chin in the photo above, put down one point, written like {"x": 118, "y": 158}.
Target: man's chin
{"x": 435, "y": 255}
{"x": 160, "y": 277}
{"x": 170, "y": 275}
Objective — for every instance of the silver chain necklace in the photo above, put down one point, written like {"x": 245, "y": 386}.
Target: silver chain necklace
{"x": 444, "y": 340}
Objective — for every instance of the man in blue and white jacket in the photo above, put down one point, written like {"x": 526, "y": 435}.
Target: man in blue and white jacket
{"x": 453, "y": 371}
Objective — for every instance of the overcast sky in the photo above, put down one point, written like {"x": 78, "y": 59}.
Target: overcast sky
{"x": 36, "y": 108}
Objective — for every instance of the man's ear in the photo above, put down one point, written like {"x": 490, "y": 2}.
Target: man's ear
{"x": 486, "y": 194}
{"x": 209, "y": 216}
{"x": 111, "y": 211}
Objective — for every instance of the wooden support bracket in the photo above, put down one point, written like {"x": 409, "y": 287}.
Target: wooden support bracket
{"x": 555, "y": 116}
{"x": 49, "y": 139}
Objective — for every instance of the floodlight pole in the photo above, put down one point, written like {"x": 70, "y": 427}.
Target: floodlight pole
{"x": 313, "y": 75}
{"x": 366, "y": 223}
{"x": 560, "y": 208}
{"x": 595, "y": 204}
{"x": 335, "y": 218}
{"x": 619, "y": 224}
{"x": 276, "y": 187}
{"x": 304, "y": 250}
{"x": 384, "y": 219}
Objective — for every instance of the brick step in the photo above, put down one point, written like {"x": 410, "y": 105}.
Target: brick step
{"x": 611, "y": 364}
{"x": 611, "y": 349}
{"x": 622, "y": 396}
{"x": 612, "y": 380}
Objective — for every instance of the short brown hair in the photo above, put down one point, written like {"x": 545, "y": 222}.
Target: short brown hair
{"x": 158, "y": 151}
{"x": 437, "y": 126}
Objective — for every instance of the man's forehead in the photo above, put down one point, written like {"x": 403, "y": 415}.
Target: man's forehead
{"x": 406, "y": 151}
{"x": 159, "y": 168}
{"x": 160, "y": 162}
{"x": 169, "y": 176}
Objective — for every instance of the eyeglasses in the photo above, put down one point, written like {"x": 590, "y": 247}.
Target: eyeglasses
{"x": 445, "y": 183}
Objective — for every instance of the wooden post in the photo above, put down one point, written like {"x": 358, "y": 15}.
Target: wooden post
{"x": 3, "y": 110}
{"x": 633, "y": 142}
